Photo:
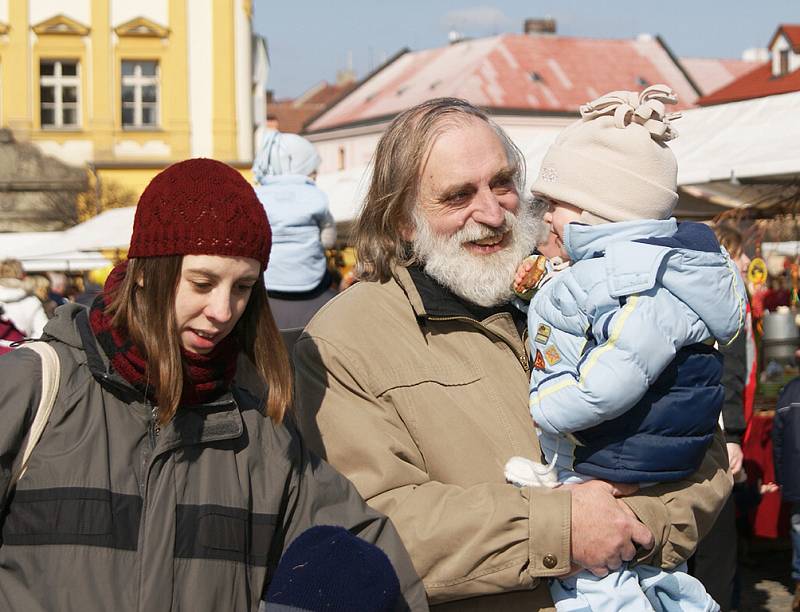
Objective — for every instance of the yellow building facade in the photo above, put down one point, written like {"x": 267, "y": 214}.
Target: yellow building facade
{"x": 129, "y": 87}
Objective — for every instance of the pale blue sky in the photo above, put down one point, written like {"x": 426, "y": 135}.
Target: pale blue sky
{"x": 309, "y": 40}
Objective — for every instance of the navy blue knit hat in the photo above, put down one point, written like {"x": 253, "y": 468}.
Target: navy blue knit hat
{"x": 328, "y": 568}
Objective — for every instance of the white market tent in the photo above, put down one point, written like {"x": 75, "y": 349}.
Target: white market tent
{"x": 345, "y": 190}
{"x": 751, "y": 139}
{"x": 74, "y": 250}
{"x": 109, "y": 230}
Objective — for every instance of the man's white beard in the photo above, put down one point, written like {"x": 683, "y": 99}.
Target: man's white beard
{"x": 484, "y": 280}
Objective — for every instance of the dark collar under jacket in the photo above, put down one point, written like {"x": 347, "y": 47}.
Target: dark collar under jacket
{"x": 439, "y": 301}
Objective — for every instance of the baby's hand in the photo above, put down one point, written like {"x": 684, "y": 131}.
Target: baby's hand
{"x": 528, "y": 275}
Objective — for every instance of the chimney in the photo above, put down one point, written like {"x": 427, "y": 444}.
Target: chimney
{"x": 348, "y": 75}
{"x": 755, "y": 55}
{"x": 540, "y": 26}
{"x": 345, "y": 77}
{"x": 454, "y": 36}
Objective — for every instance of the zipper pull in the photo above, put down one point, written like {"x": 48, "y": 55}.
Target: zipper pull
{"x": 155, "y": 428}
{"x": 523, "y": 358}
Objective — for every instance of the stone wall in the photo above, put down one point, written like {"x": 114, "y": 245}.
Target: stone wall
{"x": 37, "y": 193}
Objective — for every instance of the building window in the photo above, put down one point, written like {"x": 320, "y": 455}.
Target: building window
{"x": 341, "y": 158}
{"x": 784, "y": 59}
{"x": 59, "y": 87}
{"x": 139, "y": 94}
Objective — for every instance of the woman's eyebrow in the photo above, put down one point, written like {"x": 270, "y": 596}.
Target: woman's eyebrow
{"x": 203, "y": 272}
{"x": 215, "y": 277}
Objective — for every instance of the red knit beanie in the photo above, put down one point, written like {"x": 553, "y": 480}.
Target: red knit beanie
{"x": 200, "y": 207}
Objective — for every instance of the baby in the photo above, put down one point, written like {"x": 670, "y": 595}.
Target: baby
{"x": 625, "y": 384}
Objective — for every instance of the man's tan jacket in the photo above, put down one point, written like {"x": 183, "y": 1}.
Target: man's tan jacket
{"x": 422, "y": 409}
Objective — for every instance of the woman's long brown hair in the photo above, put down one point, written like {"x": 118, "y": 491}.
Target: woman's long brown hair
{"x": 144, "y": 305}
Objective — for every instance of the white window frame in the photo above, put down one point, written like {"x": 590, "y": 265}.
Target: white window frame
{"x": 58, "y": 81}
{"x": 137, "y": 80}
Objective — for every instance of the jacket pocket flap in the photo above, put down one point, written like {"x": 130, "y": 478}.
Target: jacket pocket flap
{"x": 632, "y": 267}
{"x": 453, "y": 374}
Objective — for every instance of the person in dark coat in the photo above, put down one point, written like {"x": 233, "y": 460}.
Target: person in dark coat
{"x": 786, "y": 452}
{"x": 715, "y": 561}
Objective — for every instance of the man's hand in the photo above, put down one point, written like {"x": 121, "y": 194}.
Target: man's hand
{"x": 605, "y": 532}
{"x": 735, "y": 457}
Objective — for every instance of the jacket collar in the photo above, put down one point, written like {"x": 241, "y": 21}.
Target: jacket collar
{"x": 217, "y": 420}
{"x": 71, "y": 326}
{"x": 585, "y": 241}
{"x": 437, "y": 300}
{"x": 429, "y": 299}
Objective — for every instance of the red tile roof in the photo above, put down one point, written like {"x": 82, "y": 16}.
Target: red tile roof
{"x": 290, "y": 115}
{"x": 513, "y": 72}
{"x": 712, "y": 74}
{"x": 757, "y": 83}
{"x": 791, "y": 31}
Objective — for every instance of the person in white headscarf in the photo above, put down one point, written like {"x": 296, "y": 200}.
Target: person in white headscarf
{"x": 18, "y": 302}
{"x": 298, "y": 282}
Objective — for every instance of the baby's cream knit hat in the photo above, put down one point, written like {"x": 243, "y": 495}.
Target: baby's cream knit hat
{"x": 613, "y": 162}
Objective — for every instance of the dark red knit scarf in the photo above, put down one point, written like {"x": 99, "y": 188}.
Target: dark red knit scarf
{"x": 205, "y": 377}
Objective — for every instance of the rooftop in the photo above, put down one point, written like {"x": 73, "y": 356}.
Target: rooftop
{"x": 517, "y": 73}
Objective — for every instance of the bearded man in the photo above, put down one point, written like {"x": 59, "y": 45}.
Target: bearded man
{"x": 414, "y": 382}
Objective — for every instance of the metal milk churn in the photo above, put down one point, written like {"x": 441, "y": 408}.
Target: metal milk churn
{"x": 781, "y": 336}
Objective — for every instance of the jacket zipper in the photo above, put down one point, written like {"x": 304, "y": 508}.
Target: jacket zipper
{"x": 522, "y": 358}
{"x": 154, "y": 428}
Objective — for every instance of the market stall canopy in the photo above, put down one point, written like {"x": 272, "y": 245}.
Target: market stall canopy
{"x": 75, "y": 261}
{"x": 109, "y": 230}
{"x": 752, "y": 139}
{"x": 44, "y": 252}
{"x": 345, "y": 190}
{"x": 76, "y": 249}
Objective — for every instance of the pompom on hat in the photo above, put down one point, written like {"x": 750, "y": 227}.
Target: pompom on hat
{"x": 200, "y": 207}
{"x": 328, "y": 568}
{"x": 613, "y": 163}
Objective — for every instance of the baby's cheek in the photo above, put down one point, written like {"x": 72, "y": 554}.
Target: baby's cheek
{"x": 550, "y": 248}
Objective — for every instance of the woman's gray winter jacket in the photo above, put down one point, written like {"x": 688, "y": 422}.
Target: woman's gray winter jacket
{"x": 113, "y": 515}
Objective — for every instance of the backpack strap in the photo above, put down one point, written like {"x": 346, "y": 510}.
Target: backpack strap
{"x": 51, "y": 378}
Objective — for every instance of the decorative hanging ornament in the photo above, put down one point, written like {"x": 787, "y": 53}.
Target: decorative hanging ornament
{"x": 757, "y": 271}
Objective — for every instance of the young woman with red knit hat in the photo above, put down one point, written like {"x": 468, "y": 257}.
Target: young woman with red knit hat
{"x": 158, "y": 483}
